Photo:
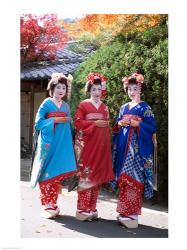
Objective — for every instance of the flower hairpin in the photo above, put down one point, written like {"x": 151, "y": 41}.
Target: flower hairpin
{"x": 139, "y": 78}
{"x": 90, "y": 80}
{"x": 55, "y": 78}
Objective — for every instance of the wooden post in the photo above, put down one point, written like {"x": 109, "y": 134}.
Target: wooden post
{"x": 31, "y": 114}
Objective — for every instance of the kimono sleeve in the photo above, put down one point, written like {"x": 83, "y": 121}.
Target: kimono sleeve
{"x": 120, "y": 113}
{"x": 107, "y": 113}
{"x": 80, "y": 123}
{"x": 68, "y": 111}
{"x": 43, "y": 124}
{"x": 116, "y": 127}
{"x": 146, "y": 130}
{"x": 68, "y": 114}
{"x": 119, "y": 118}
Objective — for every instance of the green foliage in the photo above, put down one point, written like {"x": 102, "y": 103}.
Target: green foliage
{"x": 147, "y": 52}
{"x": 77, "y": 48}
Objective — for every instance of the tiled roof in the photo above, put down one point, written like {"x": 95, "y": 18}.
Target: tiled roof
{"x": 67, "y": 62}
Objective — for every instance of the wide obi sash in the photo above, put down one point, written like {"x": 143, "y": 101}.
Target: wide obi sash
{"x": 95, "y": 116}
{"x": 56, "y": 114}
{"x": 130, "y": 116}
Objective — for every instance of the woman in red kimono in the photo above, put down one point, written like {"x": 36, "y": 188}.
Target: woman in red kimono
{"x": 92, "y": 146}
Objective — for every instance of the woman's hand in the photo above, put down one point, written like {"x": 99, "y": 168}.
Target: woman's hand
{"x": 124, "y": 123}
{"x": 131, "y": 122}
{"x": 101, "y": 123}
{"x": 61, "y": 119}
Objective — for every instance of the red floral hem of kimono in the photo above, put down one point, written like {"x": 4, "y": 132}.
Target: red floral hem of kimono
{"x": 49, "y": 189}
{"x": 87, "y": 199}
{"x": 58, "y": 178}
{"x": 130, "y": 196}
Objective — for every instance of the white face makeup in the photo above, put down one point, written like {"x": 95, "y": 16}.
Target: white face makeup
{"x": 96, "y": 92}
{"x": 134, "y": 92}
{"x": 59, "y": 91}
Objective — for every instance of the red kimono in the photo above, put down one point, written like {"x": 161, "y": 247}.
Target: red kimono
{"x": 92, "y": 144}
{"x": 93, "y": 151}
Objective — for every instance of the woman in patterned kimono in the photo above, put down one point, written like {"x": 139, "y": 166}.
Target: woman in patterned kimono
{"x": 133, "y": 150}
{"x": 54, "y": 159}
{"x": 92, "y": 147}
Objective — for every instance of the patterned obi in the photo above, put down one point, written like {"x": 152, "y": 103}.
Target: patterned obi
{"x": 56, "y": 114}
{"x": 95, "y": 116}
{"x": 134, "y": 117}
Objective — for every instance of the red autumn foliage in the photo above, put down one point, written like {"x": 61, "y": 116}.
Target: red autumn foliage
{"x": 41, "y": 37}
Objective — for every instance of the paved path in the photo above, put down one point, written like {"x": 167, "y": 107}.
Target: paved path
{"x": 153, "y": 221}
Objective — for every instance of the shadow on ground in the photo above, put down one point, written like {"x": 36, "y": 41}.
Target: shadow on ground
{"x": 102, "y": 228}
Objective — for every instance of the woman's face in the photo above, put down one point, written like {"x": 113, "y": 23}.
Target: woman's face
{"x": 59, "y": 90}
{"x": 134, "y": 92}
{"x": 96, "y": 92}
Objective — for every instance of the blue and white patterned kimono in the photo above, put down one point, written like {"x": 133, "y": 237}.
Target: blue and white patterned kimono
{"x": 55, "y": 153}
{"x": 133, "y": 147}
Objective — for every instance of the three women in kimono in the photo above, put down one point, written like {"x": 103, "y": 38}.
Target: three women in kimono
{"x": 133, "y": 153}
{"x": 132, "y": 149}
{"x": 54, "y": 159}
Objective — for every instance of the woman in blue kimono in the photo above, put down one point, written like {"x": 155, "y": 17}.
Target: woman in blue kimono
{"x": 133, "y": 150}
{"x": 54, "y": 159}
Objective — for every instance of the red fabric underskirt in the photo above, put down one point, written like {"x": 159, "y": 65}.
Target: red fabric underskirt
{"x": 87, "y": 199}
{"x": 130, "y": 196}
{"x": 49, "y": 189}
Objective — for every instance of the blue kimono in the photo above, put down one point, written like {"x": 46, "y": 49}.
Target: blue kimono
{"x": 55, "y": 153}
{"x": 133, "y": 148}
